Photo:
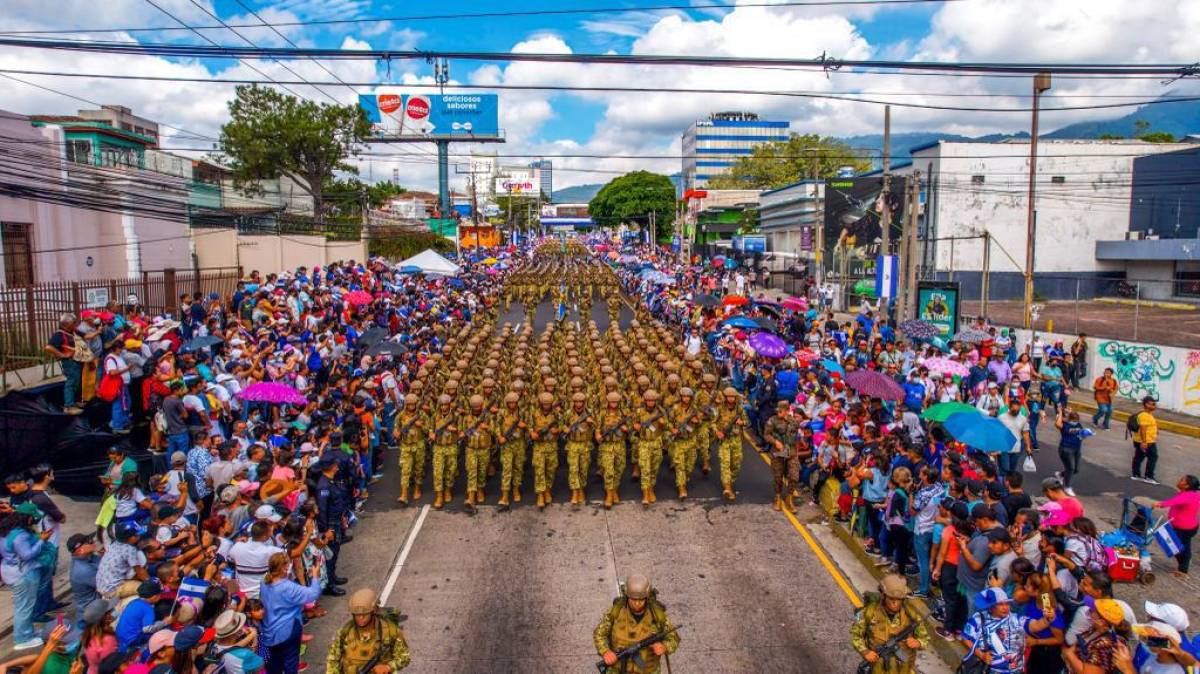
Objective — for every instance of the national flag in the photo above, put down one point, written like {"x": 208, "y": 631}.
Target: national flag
{"x": 192, "y": 588}
{"x": 1168, "y": 540}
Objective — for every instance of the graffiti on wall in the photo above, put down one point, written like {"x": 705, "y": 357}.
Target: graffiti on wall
{"x": 1139, "y": 369}
{"x": 1191, "y": 380}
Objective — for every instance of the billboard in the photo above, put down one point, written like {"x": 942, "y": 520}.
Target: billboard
{"x": 518, "y": 182}
{"x": 852, "y": 208}
{"x": 414, "y": 116}
{"x": 937, "y": 302}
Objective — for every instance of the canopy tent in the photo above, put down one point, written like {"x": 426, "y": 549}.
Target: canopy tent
{"x": 431, "y": 263}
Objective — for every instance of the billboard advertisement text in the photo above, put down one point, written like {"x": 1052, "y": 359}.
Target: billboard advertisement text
{"x": 852, "y": 209}
{"x": 432, "y": 115}
{"x": 937, "y": 302}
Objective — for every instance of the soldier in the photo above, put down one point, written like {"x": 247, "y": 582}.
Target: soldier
{"x": 884, "y": 617}
{"x": 651, "y": 429}
{"x": 780, "y": 434}
{"x": 706, "y": 400}
{"x": 479, "y": 440}
{"x": 625, "y": 624}
{"x": 580, "y": 432}
{"x": 411, "y": 432}
{"x": 512, "y": 435}
{"x": 614, "y": 429}
{"x": 684, "y": 419}
{"x": 444, "y": 436}
{"x": 728, "y": 428}
{"x": 368, "y": 638}
{"x": 543, "y": 433}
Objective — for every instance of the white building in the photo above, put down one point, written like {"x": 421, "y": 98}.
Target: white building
{"x": 791, "y": 218}
{"x": 1083, "y": 190}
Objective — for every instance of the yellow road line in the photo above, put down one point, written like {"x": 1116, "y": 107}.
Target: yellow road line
{"x": 830, "y": 567}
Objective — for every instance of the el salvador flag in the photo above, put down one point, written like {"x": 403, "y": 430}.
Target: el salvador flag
{"x": 1168, "y": 540}
{"x": 192, "y": 588}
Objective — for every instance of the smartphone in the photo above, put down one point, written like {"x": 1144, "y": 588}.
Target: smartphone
{"x": 1158, "y": 642}
{"x": 1047, "y": 605}
{"x": 58, "y": 622}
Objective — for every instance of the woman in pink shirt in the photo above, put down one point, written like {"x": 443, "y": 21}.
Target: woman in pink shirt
{"x": 1183, "y": 510}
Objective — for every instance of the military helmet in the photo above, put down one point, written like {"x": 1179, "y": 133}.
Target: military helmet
{"x": 476, "y": 400}
{"x": 444, "y": 399}
{"x": 893, "y": 586}
{"x": 611, "y": 381}
{"x": 709, "y": 378}
{"x": 730, "y": 392}
{"x": 549, "y": 382}
{"x": 613, "y": 397}
{"x": 511, "y": 397}
{"x": 643, "y": 380}
{"x": 687, "y": 391}
{"x": 637, "y": 586}
{"x": 673, "y": 378}
{"x": 578, "y": 397}
{"x": 650, "y": 394}
{"x": 518, "y": 385}
{"x": 488, "y": 382}
{"x": 363, "y": 601}
{"x": 417, "y": 385}
{"x": 545, "y": 399}
{"x": 455, "y": 375}
{"x": 452, "y": 385}
{"x": 576, "y": 382}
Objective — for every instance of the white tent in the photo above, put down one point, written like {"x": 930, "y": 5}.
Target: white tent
{"x": 429, "y": 262}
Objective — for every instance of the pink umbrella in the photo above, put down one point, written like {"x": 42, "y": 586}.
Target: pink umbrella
{"x": 359, "y": 297}
{"x": 274, "y": 393}
{"x": 491, "y": 271}
{"x": 874, "y": 384}
{"x": 947, "y": 366}
{"x": 795, "y": 303}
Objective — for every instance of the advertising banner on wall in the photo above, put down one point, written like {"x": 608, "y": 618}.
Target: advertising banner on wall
{"x": 524, "y": 182}
{"x": 852, "y": 210}
{"x": 937, "y": 302}
{"x": 432, "y": 116}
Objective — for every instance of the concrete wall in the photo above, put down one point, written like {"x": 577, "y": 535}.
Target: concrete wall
{"x": 1156, "y": 279}
{"x": 270, "y": 253}
{"x": 1170, "y": 374}
{"x": 216, "y": 247}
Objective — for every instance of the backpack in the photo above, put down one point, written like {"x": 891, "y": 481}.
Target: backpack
{"x": 1095, "y": 558}
{"x": 1132, "y": 425}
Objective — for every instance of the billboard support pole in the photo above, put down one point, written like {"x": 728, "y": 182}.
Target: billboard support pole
{"x": 443, "y": 159}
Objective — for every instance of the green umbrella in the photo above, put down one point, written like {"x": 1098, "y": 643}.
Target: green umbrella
{"x": 941, "y": 411}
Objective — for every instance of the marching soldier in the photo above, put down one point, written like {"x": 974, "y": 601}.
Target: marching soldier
{"x": 649, "y": 437}
{"x": 512, "y": 437}
{"x": 706, "y": 400}
{"x": 613, "y": 431}
{"x": 684, "y": 420}
{"x": 444, "y": 436}
{"x": 543, "y": 433}
{"x": 411, "y": 433}
{"x": 636, "y": 616}
{"x": 728, "y": 428}
{"x": 580, "y": 432}
{"x": 479, "y": 439}
{"x": 884, "y": 617}
{"x": 780, "y": 434}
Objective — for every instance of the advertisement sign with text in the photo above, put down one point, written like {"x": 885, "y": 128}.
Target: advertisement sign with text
{"x": 460, "y": 116}
{"x": 525, "y": 182}
{"x": 852, "y": 209}
{"x": 937, "y": 302}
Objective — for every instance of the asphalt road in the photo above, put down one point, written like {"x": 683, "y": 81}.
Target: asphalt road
{"x": 521, "y": 591}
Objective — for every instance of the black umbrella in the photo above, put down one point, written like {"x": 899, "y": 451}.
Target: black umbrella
{"x": 387, "y": 349}
{"x": 708, "y": 301}
{"x": 372, "y": 336}
{"x": 197, "y": 343}
{"x": 766, "y": 323}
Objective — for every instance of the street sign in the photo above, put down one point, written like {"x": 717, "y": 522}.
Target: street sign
{"x": 886, "y": 273}
{"x": 754, "y": 243}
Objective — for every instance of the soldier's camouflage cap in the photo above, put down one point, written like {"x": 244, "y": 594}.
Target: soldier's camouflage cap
{"x": 444, "y": 399}
{"x": 613, "y": 397}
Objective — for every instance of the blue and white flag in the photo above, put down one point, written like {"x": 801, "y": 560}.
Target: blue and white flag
{"x": 1168, "y": 540}
{"x": 192, "y": 588}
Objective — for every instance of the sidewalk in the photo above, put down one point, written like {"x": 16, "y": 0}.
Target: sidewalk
{"x": 1173, "y": 422}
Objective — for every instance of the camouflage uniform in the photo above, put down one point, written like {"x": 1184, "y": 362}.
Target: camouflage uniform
{"x": 650, "y": 432}
{"x": 480, "y": 437}
{"x": 545, "y": 447}
{"x": 353, "y": 648}
{"x": 613, "y": 432}
{"x": 411, "y": 433}
{"x": 684, "y": 420}
{"x": 580, "y": 433}
{"x": 512, "y": 436}
{"x": 445, "y": 437}
{"x": 780, "y": 434}
{"x": 730, "y": 423}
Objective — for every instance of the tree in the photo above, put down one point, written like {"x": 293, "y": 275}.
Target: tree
{"x": 1157, "y": 137}
{"x": 784, "y": 162}
{"x": 270, "y": 134}
{"x": 632, "y": 198}
{"x": 344, "y": 196}
{"x": 519, "y": 212}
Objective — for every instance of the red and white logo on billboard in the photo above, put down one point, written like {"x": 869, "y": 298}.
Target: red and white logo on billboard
{"x": 389, "y": 103}
{"x": 417, "y": 109}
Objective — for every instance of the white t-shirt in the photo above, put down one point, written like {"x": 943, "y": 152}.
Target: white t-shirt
{"x": 1018, "y": 425}
{"x": 174, "y": 479}
{"x": 114, "y": 364}
{"x": 251, "y": 558}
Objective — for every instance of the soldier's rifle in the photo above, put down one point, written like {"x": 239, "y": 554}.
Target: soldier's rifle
{"x": 889, "y": 648}
{"x": 633, "y": 652}
{"x": 612, "y": 429}
{"x": 578, "y": 422}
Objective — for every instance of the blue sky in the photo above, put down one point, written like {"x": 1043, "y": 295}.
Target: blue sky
{"x": 611, "y": 124}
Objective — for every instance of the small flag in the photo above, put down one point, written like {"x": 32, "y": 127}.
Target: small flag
{"x": 1168, "y": 540}
{"x": 192, "y": 588}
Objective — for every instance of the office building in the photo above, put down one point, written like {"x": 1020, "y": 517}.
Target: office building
{"x": 711, "y": 146}
{"x": 545, "y": 168}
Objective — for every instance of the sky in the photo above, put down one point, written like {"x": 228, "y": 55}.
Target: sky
{"x": 604, "y": 124}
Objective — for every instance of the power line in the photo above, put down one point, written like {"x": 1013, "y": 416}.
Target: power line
{"x": 491, "y": 15}
{"x": 852, "y": 97}
{"x": 822, "y": 62}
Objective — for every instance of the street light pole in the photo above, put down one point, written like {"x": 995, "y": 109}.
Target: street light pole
{"x": 1041, "y": 83}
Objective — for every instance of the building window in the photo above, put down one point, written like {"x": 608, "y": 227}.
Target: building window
{"x": 111, "y": 155}
{"x": 17, "y": 239}
{"x": 976, "y": 180}
{"x": 1058, "y": 180}
{"x": 79, "y": 151}
{"x": 1187, "y": 279}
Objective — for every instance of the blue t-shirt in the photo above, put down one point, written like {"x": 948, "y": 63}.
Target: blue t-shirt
{"x": 1032, "y": 611}
{"x": 1071, "y": 435}
{"x": 914, "y": 395}
{"x": 136, "y": 616}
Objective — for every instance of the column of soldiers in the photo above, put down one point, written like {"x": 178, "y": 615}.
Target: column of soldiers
{"x": 511, "y": 401}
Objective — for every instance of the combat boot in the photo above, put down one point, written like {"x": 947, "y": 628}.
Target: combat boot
{"x": 778, "y": 505}
{"x": 503, "y": 497}
{"x": 480, "y": 499}
{"x": 608, "y": 499}
{"x": 416, "y": 492}
{"x": 469, "y": 502}
{"x": 616, "y": 495}
{"x": 516, "y": 494}
{"x": 403, "y": 499}
{"x": 682, "y": 492}
{"x": 548, "y": 498}
{"x": 541, "y": 501}
{"x": 635, "y": 472}
{"x": 789, "y": 503}
{"x": 447, "y": 496}
{"x": 437, "y": 500}
{"x": 653, "y": 497}
{"x": 727, "y": 491}
{"x": 645, "y": 497}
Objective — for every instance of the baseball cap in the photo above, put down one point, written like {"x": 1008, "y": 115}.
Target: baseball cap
{"x": 149, "y": 588}
{"x": 999, "y": 535}
{"x": 1052, "y": 484}
{"x": 160, "y": 640}
{"x": 78, "y": 540}
{"x": 990, "y": 597}
{"x": 266, "y": 512}
{"x": 127, "y": 530}
{"x": 1162, "y": 628}
{"x": 28, "y": 508}
{"x": 981, "y": 510}
{"x": 1053, "y": 515}
{"x": 191, "y": 636}
{"x": 178, "y": 458}
{"x": 167, "y": 511}
{"x": 228, "y": 494}
{"x": 247, "y": 487}
{"x": 95, "y": 611}
{"x": 1170, "y": 614}
{"x": 1110, "y": 610}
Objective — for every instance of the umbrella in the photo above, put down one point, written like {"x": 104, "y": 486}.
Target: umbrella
{"x": 372, "y": 335}
{"x": 410, "y": 269}
{"x": 833, "y": 366}
{"x": 273, "y": 392}
{"x": 197, "y": 343}
{"x": 387, "y": 349}
{"x": 941, "y": 411}
{"x": 769, "y": 309}
{"x": 971, "y": 336}
{"x": 490, "y": 260}
{"x": 734, "y": 301}
{"x": 795, "y": 303}
{"x": 742, "y": 323}
{"x": 982, "y": 432}
{"x": 708, "y": 301}
{"x": 918, "y": 329}
{"x": 358, "y": 297}
{"x": 947, "y": 366}
{"x": 768, "y": 345}
{"x": 765, "y": 323}
{"x": 491, "y": 271}
{"x": 874, "y": 384}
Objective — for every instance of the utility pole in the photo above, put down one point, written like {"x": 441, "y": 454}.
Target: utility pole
{"x": 885, "y": 218}
{"x": 985, "y": 281}
{"x": 653, "y": 230}
{"x": 1041, "y": 83}
{"x": 908, "y": 248}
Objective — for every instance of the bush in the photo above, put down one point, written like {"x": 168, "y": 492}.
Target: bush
{"x": 403, "y": 246}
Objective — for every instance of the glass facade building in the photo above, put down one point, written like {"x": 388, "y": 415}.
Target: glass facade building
{"x": 711, "y": 146}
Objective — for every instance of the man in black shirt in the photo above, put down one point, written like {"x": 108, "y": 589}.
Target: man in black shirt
{"x": 179, "y": 439}
{"x": 1016, "y": 499}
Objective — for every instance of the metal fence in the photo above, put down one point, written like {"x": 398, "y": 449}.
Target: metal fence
{"x": 29, "y": 314}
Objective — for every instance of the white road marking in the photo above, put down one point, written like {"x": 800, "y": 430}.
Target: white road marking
{"x": 395, "y": 574}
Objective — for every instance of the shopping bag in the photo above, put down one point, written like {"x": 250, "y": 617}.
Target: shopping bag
{"x": 1029, "y": 466}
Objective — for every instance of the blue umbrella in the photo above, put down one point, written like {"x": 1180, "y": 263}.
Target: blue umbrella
{"x": 742, "y": 322}
{"x": 833, "y": 366}
{"x": 974, "y": 429}
{"x": 457, "y": 283}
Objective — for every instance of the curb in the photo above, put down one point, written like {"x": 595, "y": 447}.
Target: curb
{"x": 948, "y": 651}
{"x": 1181, "y": 306}
{"x": 1120, "y": 415}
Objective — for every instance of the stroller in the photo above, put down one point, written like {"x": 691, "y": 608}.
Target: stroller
{"x": 1128, "y": 547}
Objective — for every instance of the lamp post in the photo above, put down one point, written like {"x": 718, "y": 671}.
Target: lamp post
{"x": 1041, "y": 83}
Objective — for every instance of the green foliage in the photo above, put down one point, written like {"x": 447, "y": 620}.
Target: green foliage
{"x": 1157, "y": 137}
{"x": 404, "y": 246}
{"x": 270, "y": 134}
{"x": 524, "y": 212}
{"x": 632, "y": 197}
{"x": 1140, "y": 126}
{"x": 345, "y": 195}
{"x": 749, "y": 221}
{"x": 784, "y": 162}
{"x": 1110, "y": 136}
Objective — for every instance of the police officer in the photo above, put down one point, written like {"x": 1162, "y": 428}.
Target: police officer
{"x": 635, "y": 616}
{"x": 331, "y": 508}
{"x": 368, "y": 637}
{"x": 884, "y": 617}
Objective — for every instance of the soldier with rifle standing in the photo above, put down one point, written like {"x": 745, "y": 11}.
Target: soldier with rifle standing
{"x": 888, "y": 632}
{"x": 613, "y": 430}
{"x": 651, "y": 427}
{"x": 545, "y": 447}
{"x": 370, "y": 642}
{"x": 728, "y": 428}
{"x": 512, "y": 438}
{"x": 581, "y": 432}
{"x": 636, "y": 619}
{"x": 444, "y": 436}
